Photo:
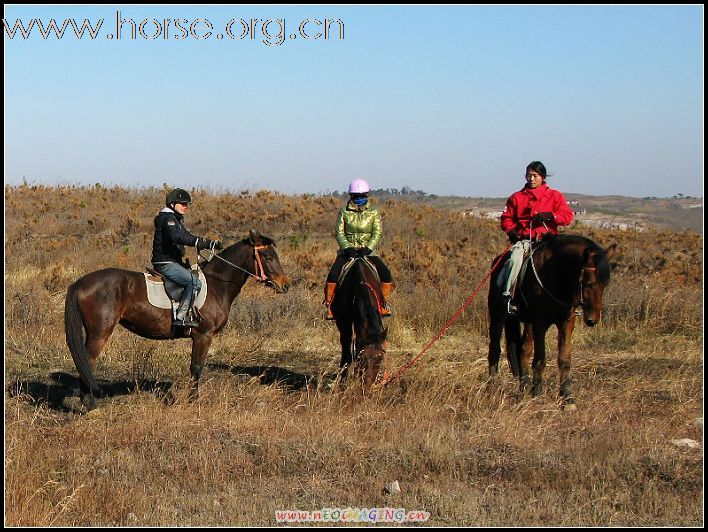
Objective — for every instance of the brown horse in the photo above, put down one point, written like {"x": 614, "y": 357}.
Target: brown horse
{"x": 566, "y": 273}
{"x": 357, "y": 310}
{"x": 100, "y": 300}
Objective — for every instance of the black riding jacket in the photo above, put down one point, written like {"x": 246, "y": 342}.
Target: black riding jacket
{"x": 170, "y": 237}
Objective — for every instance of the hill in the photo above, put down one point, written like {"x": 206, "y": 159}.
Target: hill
{"x": 679, "y": 213}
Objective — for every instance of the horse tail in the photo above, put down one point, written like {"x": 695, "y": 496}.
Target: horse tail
{"x": 512, "y": 334}
{"x": 74, "y": 327}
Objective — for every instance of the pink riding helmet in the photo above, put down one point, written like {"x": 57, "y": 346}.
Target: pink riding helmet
{"x": 358, "y": 186}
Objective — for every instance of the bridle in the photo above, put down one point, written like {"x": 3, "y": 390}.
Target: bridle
{"x": 260, "y": 273}
{"x": 581, "y": 281}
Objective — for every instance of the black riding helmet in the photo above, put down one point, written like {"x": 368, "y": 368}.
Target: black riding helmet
{"x": 178, "y": 195}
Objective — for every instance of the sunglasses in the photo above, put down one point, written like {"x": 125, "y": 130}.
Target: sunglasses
{"x": 183, "y": 203}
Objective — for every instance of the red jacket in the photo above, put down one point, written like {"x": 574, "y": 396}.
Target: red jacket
{"x": 527, "y": 202}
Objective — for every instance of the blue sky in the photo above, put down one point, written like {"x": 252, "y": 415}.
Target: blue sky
{"x": 451, "y": 100}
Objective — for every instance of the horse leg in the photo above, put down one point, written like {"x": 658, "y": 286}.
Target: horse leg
{"x": 200, "y": 348}
{"x": 565, "y": 333}
{"x": 525, "y": 358}
{"x": 95, "y": 342}
{"x": 539, "y": 360}
{"x": 345, "y": 339}
{"x": 496, "y": 326}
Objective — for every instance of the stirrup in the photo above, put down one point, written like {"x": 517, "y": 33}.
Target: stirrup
{"x": 511, "y": 309}
{"x": 187, "y": 323}
{"x": 188, "y": 320}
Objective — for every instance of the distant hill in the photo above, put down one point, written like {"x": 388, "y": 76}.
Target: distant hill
{"x": 677, "y": 214}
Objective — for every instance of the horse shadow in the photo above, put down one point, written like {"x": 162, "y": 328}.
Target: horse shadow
{"x": 268, "y": 375}
{"x": 62, "y": 385}
{"x": 65, "y": 385}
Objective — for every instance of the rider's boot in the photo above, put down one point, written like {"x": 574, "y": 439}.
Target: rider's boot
{"x": 183, "y": 318}
{"x": 328, "y": 297}
{"x": 386, "y": 289}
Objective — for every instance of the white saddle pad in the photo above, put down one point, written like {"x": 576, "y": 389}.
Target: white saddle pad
{"x": 157, "y": 296}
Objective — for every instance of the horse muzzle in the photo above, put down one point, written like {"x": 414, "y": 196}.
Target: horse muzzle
{"x": 281, "y": 286}
{"x": 591, "y": 318}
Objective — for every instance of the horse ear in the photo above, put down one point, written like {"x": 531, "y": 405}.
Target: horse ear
{"x": 611, "y": 252}
{"x": 254, "y": 237}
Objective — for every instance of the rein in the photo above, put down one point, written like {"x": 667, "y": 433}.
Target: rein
{"x": 260, "y": 274}
{"x": 376, "y": 296}
{"x": 580, "y": 302}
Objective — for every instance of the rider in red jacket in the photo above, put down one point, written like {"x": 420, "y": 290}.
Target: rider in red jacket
{"x": 532, "y": 212}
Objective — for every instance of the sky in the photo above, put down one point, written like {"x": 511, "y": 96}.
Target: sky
{"x": 452, "y": 100}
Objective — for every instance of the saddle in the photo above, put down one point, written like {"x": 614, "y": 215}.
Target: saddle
{"x": 370, "y": 265}
{"x": 166, "y": 294}
{"x": 348, "y": 266}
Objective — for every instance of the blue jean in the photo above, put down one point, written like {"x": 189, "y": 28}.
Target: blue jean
{"x": 183, "y": 277}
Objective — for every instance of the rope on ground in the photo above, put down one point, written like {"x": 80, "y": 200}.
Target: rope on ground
{"x": 397, "y": 374}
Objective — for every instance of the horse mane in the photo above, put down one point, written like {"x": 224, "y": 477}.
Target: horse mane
{"x": 267, "y": 241}
{"x": 376, "y": 332}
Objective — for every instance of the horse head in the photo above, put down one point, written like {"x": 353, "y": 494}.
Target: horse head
{"x": 255, "y": 255}
{"x": 267, "y": 262}
{"x": 594, "y": 278}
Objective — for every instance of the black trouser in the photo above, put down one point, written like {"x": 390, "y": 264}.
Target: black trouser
{"x": 341, "y": 260}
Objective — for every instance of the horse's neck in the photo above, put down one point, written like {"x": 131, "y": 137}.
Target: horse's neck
{"x": 561, "y": 264}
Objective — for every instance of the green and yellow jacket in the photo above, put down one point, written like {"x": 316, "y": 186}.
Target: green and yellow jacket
{"x": 358, "y": 227}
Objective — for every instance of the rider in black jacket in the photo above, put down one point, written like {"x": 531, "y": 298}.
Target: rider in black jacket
{"x": 171, "y": 236}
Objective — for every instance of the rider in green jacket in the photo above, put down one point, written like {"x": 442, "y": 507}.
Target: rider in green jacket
{"x": 358, "y": 232}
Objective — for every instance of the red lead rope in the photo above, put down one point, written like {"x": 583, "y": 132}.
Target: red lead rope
{"x": 397, "y": 375}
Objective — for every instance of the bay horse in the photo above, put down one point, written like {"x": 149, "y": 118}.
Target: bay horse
{"x": 566, "y": 275}
{"x": 100, "y": 300}
{"x": 357, "y": 310}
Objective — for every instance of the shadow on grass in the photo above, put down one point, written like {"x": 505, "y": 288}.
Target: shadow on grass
{"x": 60, "y": 386}
{"x": 64, "y": 385}
{"x": 269, "y": 375}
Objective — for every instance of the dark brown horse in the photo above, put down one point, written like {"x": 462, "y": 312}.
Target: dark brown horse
{"x": 357, "y": 310}
{"x": 567, "y": 273}
{"x": 100, "y": 300}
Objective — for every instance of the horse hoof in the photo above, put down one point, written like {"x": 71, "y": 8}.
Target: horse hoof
{"x": 168, "y": 398}
{"x": 88, "y": 402}
{"x": 569, "y": 407}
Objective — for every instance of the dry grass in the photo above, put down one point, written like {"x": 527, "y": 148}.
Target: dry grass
{"x": 467, "y": 451}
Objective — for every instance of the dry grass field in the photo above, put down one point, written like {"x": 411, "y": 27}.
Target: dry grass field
{"x": 266, "y": 435}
